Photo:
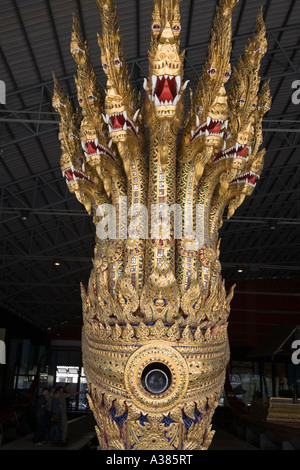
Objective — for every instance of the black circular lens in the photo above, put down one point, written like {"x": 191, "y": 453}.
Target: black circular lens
{"x": 156, "y": 378}
{"x": 156, "y": 381}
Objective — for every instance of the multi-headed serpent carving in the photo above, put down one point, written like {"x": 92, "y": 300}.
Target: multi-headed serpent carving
{"x": 155, "y": 312}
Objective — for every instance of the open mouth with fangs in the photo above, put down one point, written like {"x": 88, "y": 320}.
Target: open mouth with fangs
{"x": 121, "y": 122}
{"x": 165, "y": 90}
{"x": 236, "y": 151}
{"x": 249, "y": 178}
{"x": 92, "y": 147}
{"x": 211, "y": 127}
{"x": 73, "y": 174}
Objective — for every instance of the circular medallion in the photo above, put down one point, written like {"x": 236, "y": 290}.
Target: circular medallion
{"x": 156, "y": 377}
{"x": 207, "y": 255}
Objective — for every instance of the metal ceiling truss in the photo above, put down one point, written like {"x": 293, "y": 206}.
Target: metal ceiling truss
{"x": 40, "y": 119}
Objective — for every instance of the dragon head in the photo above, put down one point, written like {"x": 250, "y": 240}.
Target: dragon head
{"x": 98, "y": 149}
{"x": 164, "y": 86}
{"x": 122, "y": 107}
{"x": 247, "y": 106}
{"x": 244, "y": 184}
{"x": 209, "y": 119}
{"x": 78, "y": 174}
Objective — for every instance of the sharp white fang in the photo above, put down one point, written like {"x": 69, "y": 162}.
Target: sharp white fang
{"x": 154, "y": 79}
{"x": 208, "y": 120}
{"x": 156, "y": 101}
{"x": 136, "y": 115}
{"x": 185, "y": 85}
{"x": 178, "y": 83}
{"x": 110, "y": 143}
{"x": 197, "y": 120}
{"x": 125, "y": 115}
{"x": 176, "y": 99}
{"x": 145, "y": 85}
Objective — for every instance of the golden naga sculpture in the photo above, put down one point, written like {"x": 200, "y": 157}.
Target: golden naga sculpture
{"x": 155, "y": 312}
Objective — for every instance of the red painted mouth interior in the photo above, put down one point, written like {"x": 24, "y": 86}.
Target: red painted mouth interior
{"x": 242, "y": 151}
{"x": 214, "y": 127}
{"x": 91, "y": 147}
{"x": 166, "y": 89}
{"x": 253, "y": 179}
{"x": 69, "y": 175}
{"x": 118, "y": 121}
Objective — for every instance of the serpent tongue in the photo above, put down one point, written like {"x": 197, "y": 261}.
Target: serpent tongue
{"x": 166, "y": 94}
{"x": 91, "y": 147}
{"x": 117, "y": 124}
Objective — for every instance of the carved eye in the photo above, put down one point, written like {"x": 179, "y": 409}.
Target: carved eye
{"x": 80, "y": 160}
{"x": 200, "y": 110}
{"x": 156, "y": 27}
{"x": 91, "y": 97}
{"x": 176, "y": 28}
{"x": 104, "y": 66}
{"x": 117, "y": 62}
{"x": 80, "y": 100}
{"x": 212, "y": 71}
{"x": 227, "y": 74}
{"x": 241, "y": 101}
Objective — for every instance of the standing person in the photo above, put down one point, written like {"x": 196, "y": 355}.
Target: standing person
{"x": 56, "y": 420}
{"x": 40, "y": 416}
{"x": 65, "y": 394}
{"x": 48, "y": 412}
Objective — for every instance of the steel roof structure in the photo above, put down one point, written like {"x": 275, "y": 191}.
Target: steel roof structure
{"x": 46, "y": 237}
